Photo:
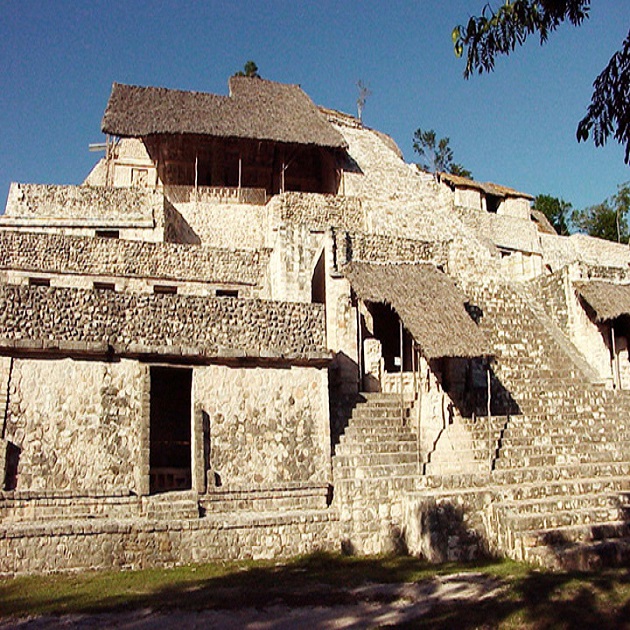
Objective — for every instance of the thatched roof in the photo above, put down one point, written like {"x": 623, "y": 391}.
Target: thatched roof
{"x": 488, "y": 188}
{"x": 427, "y": 301}
{"x": 255, "y": 109}
{"x": 607, "y": 300}
{"x": 542, "y": 222}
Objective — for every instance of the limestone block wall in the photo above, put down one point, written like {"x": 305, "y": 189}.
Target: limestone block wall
{"x": 504, "y": 231}
{"x": 49, "y": 318}
{"x": 77, "y": 424}
{"x": 218, "y": 224}
{"x": 296, "y": 251}
{"x": 82, "y": 202}
{"x": 468, "y": 198}
{"x": 100, "y": 282}
{"x": 381, "y": 248}
{"x": 517, "y": 207}
{"x": 552, "y": 290}
{"x": 266, "y": 425}
{"x": 60, "y": 254}
{"x": 318, "y": 210}
{"x": 137, "y": 214}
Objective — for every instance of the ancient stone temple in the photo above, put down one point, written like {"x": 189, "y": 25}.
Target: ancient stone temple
{"x": 255, "y": 331}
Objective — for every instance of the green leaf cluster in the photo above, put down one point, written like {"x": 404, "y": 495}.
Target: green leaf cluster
{"x": 436, "y": 155}
{"x": 250, "y": 69}
{"x": 607, "y": 220}
{"x": 498, "y": 31}
{"x": 557, "y": 211}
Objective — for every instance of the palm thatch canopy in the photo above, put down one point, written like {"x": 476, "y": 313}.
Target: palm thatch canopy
{"x": 488, "y": 188}
{"x": 607, "y": 300}
{"x": 542, "y": 222}
{"x": 427, "y": 301}
{"x": 255, "y": 109}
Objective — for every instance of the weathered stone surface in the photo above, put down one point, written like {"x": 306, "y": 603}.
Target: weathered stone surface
{"x": 34, "y": 314}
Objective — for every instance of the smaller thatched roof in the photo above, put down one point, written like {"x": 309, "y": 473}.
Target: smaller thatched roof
{"x": 488, "y": 188}
{"x": 255, "y": 109}
{"x": 427, "y": 301}
{"x": 542, "y": 222}
{"x": 607, "y": 300}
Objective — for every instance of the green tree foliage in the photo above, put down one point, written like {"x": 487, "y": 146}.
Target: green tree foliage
{"x": 558, "y": 211}
{"x": 436, "y": 155}
{"x": 497, "y": 32}
{"x": 458, "y": 169}
{"x": 608, "y": 219}
{"x": 250, "y": 69}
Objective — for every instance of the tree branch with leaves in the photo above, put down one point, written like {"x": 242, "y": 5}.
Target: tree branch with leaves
{"x": 436, "y": 155}
{"x": 498, "y": 31}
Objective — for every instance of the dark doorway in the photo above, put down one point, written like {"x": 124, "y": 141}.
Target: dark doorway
{"x": 387, "y": 331}
{"x": 170, "y": 429}
{"x": 318, "y": 283}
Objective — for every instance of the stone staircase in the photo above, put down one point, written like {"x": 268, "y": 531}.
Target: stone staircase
{"x": 376, "y": 461}
{"x": 561, "y": 477}
{"x": 178, "y": 505}
{"x": 545, "y": 481}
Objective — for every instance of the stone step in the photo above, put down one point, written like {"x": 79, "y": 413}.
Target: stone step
{"x": 380, "y": 422}
{"x": 171, "y": 505}
{"x": 565, "y": 438}
{"x": 500, "y": 479}
{"x": 407, "y": 444}
{"x": 563, "y": 518}
{"x": 524, "y": 460}
{"x": 377, "y": 470}
{"x": 371, "y": 492}
{"x": 220, "y": 500}
{"x": 353, "y": 433}
{"x": 454, "y": 467}
{"x": 568, "y": 502}
{"x": 585, "y": 448}
{"x": 377, "y": 413}
{"x": 529, "y": 491}
{"x": 375, "y": 459}
{"x": 575, "y": 534}
{"x": 459, "y": 455}
{"x": 591, "y": 556}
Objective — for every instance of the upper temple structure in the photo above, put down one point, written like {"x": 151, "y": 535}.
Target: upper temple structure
{"x": 254, "y": 331}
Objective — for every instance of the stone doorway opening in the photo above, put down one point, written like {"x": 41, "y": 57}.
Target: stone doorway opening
{"x": 170, "y": 429}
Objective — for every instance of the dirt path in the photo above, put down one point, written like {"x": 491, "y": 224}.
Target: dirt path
{"x": 369, "y": 606}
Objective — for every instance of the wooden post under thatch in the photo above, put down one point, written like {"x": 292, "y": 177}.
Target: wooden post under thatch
{"x": 360, "y": 348}
{"x": 196, "y": 177}
{"x": 418, "y": 403}
{"x": 402, "y": 391}
{"x": 489, "y": 417}
{"x": 615, "y": 358}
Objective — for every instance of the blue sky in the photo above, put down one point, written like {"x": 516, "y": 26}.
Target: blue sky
{"x": 514, "y": 127}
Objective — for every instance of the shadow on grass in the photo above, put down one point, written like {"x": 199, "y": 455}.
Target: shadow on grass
{"x": 542, "y": 600}
{"x": 517, "y": 595}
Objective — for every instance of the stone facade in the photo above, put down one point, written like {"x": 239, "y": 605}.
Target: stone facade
{"x": 187, "y": 372}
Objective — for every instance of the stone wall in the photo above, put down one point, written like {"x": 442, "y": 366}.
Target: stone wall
{"x": 381, "y": 248}
{"x": 295, "y": 254}
{"x": 136, "y": 544}
{"x": 503, "y": 230}
{"x": 266, "y": 426}
{"x": 552, "y": 291}
{"x": 81, "y": 203}
{"x": 219, "y": 224}
{"x": 59, "y": 318}
{"x": 55, "y": 253}
{"x": 318, "y": 210}
{"x": 76, "y": 423}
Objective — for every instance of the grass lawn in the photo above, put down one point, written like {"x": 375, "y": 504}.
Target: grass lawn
{"x": 529, "y": 598}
